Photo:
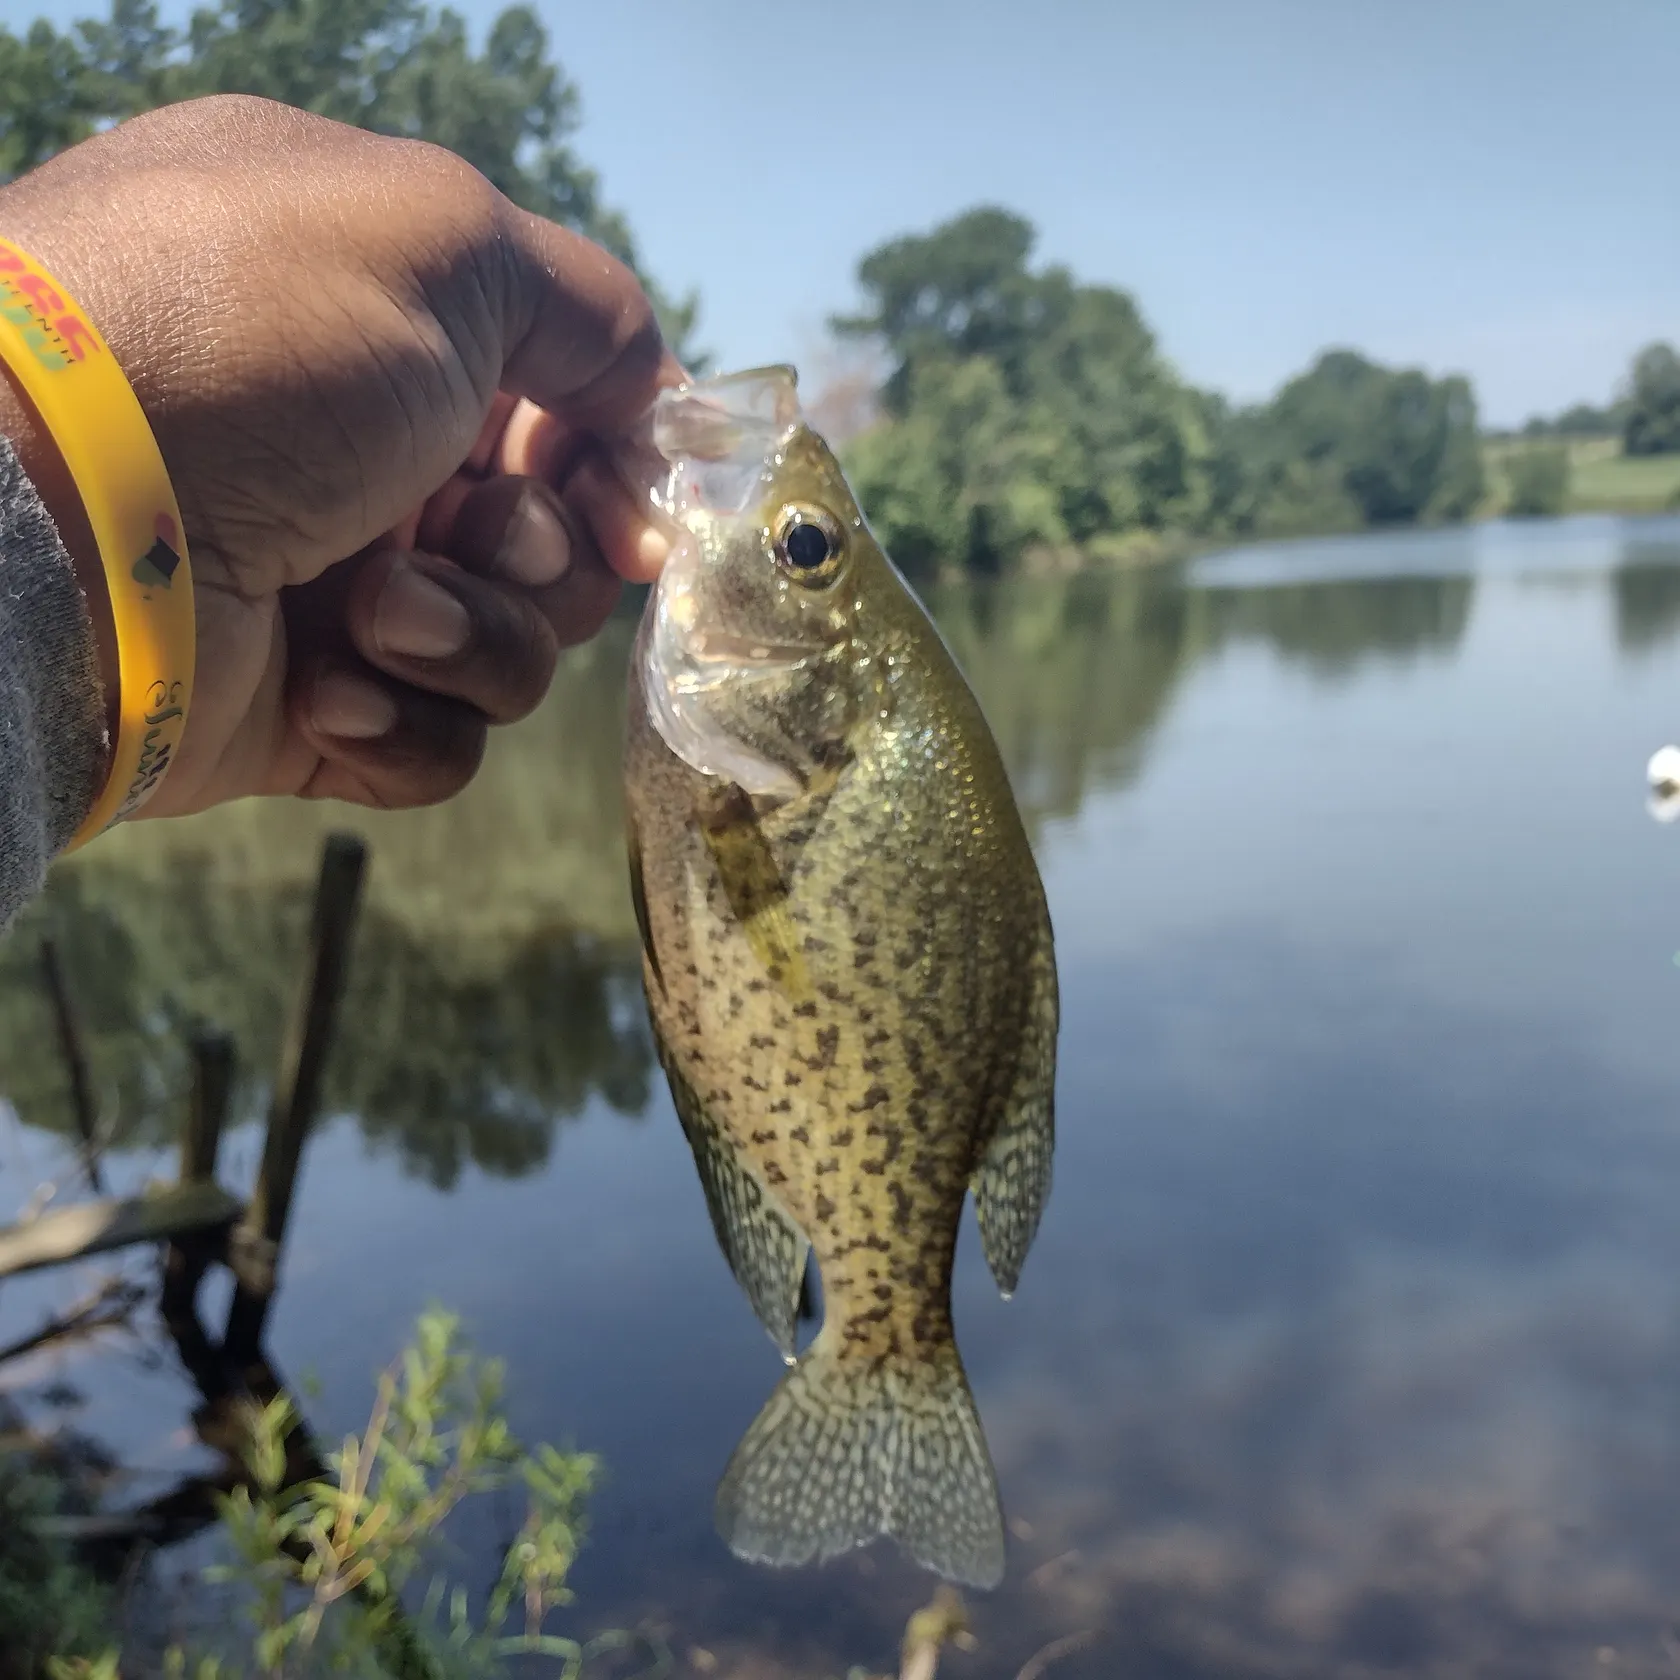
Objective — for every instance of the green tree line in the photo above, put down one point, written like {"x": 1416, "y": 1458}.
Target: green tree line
{"x": 1023, "y": 416}
{"x": 1026, "y": 413}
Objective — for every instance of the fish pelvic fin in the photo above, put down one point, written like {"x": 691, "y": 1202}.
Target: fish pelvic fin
{"x": 1011, "y": 1183}
{"x": 850, "y": 1447}
{"x": 765, "y": 1249}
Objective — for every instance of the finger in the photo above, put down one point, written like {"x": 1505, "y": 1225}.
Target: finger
{"x": 428, "y": 623}
{"x": 581, "y": 334}
{"x": 437, "y": 517}
{"x": 634, "y": 546}
{"x": 517, "y": 531}
{"x": 483, "y": 452}
{"x": 381, "y": 743}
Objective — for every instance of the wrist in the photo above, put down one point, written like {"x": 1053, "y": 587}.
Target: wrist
{"x": 39, "y": 457}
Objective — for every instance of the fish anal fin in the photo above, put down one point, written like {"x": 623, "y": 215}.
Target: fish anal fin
{"x": 850, "y": 1448}
{"x": 1012, "y": 1180}
{"x": 765, "y": 1249}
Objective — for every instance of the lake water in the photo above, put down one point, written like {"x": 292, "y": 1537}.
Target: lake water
{"x": 1351, "y": 1342}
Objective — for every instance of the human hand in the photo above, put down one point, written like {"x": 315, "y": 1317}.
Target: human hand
{"x": 367, "y": 372}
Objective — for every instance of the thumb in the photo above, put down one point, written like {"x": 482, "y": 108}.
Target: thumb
{"x": 580, "y": 336}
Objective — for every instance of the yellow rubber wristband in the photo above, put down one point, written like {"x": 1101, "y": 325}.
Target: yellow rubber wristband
{"x": 68, "y": 372}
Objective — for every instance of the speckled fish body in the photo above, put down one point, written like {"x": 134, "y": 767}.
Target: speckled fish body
{"x": 849, "y": 968}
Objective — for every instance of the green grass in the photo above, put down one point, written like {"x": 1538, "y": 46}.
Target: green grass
{"x": 1625, "y": 483}
{"x": 1601, "y": 478}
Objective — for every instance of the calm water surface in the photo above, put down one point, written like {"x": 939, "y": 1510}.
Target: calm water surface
{"x": 1351, "y": 1343}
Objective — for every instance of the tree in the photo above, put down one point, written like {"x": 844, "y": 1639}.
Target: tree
{"x": 392, "y": 66}
{"x": 1652, "y": 425}
{"x": 1023, "y": 411}
{"x": 1539, "y": 479}
{"x": 1350, "y": 437}
{"x": 962, "y": 290}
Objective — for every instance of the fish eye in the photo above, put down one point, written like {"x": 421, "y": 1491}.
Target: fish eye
{"x": 809, "y": 544}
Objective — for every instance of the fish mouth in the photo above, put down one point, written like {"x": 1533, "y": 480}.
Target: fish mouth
{"x": 713, "y": 647}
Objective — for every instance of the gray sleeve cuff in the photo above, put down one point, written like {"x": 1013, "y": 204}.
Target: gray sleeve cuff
{"x": 52, "y": 705}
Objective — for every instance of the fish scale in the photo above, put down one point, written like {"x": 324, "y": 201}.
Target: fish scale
{"x": 850, "y": 973}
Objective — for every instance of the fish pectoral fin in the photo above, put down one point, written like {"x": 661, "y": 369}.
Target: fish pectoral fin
{"x": 753, "y": 883}
{"x": 638, "y": 898}
{"x": 765, "y": 1249}
{"x": 1012, "y": 1182}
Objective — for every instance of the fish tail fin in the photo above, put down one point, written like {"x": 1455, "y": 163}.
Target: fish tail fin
{"x": 852, "y": 1446}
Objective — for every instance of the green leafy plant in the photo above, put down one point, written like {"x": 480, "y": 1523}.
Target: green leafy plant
{"x": 325, "y": 1572}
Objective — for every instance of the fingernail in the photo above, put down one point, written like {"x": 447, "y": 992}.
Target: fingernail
{"x": 417, "y": 618}
{"x": 352, "y": 707}
{"x": 536, "y": 547}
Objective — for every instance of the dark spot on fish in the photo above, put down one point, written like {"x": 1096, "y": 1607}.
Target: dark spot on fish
{"x": 800, "y": 1135}
{"x": 760, "y": 1041}
{"x": 824, "y": 1209}
{"x": 807, "y": 1010}
{"x": 831, "y": 990}
{"x": 828, "y": 1047}
{"x": 872, "y": 1098}
{"x": 782, "y": 1105}
{"x": 812, "y": 943}
{"x": 842, "y": 1139}
{"x": 901, "y": 1205}
{"x": 831, "y": 1165}
{"x": 874, "y": 1168}
{"x": 774, "y": 1174}
{"x": 879, "y": 1036}
{"x": 753, "y": 985}
{"x": 789, "y": 1077}
{"x": 872, "y": 1064}
{"x": 883, "y": 1292}
{"x": 763, "y": 1137}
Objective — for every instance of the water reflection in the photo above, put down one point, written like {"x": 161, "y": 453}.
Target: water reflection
{"x": 1352, "y": 1340}
{"x": 1332, "y": 629}
{"x": 440, "y": 1059}
{"x": 496, "y": 984}
{"x": 1647, "y": 596}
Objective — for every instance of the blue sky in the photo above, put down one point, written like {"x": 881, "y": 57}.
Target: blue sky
{"x": 1490, "y": 186}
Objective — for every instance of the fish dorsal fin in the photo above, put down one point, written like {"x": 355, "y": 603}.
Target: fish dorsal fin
{"x": 1012, "y": 1182}
{"x": 765, "y": 1249}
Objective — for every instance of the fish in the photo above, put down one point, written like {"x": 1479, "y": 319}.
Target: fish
{"x": 850, "y": 973}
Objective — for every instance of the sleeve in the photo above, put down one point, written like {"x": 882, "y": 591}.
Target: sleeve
{"x": 52, "y": 708}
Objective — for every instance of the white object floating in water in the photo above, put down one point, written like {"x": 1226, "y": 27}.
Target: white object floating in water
{"x": 1663, "y": 772}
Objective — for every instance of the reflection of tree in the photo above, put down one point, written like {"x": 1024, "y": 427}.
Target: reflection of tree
{"x": 1073, "y": 674}
{"x": 1647, "y": 591}
{"x": 446, "y": 1058}
{"x": 1334, "y": 626}
{"x": 494, "y": 982}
